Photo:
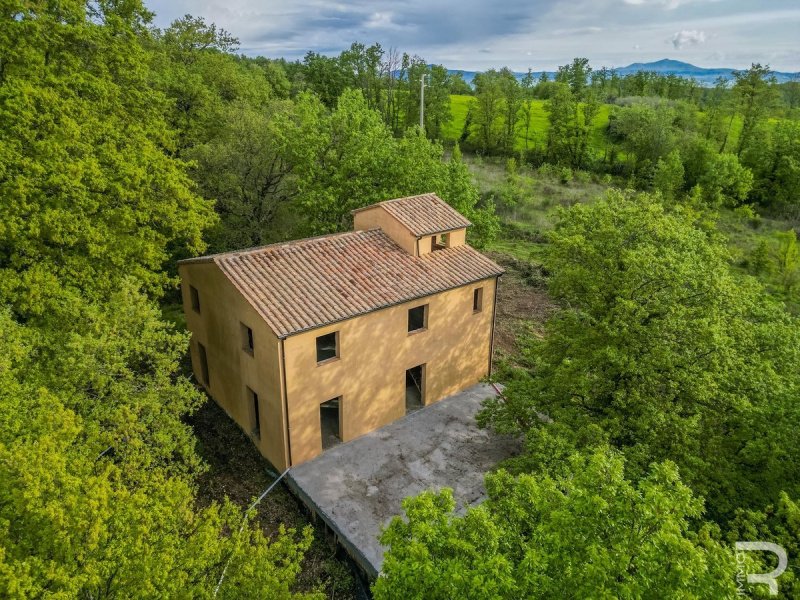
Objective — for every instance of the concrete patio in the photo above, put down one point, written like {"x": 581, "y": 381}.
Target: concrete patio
{"x": 357, "y": 487}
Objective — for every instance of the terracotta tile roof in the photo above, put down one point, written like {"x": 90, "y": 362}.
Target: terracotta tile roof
{"x": 308, "y": 283}
{"x": 424, "y": 214}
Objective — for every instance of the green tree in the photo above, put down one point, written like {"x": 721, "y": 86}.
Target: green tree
{"x": 246, "y": 168}
{"x": 326, "y": 77}
{"x": 95, "y": 496}
{"x": 665, "y": 351}
{"x": 528, "y": 85}
{"x": 756, "y": 93}
{"x": 576, "y": 75}
{"x": 647, "y": 133}
{"x": 668, "y": 175}
{"x": 585, "y": 532}
{"x": 788, "y": 260}
{"x": 89, "y": 194}
{"x": 487, "y": 111}
{"x": 97, "y": 467}
{"x": 726, "y": 181}
{"x": 193, "y": 66}
{"x": 570, "y": 125}
{"x": 348, "y": 158}
{"x": 512, "y": 103}
{"x": 780, "y": 524}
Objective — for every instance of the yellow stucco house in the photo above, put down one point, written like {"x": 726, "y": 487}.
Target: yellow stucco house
{"x": 316, "y": 341}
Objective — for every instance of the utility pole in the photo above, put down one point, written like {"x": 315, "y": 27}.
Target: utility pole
{"x": 422, "y": 102}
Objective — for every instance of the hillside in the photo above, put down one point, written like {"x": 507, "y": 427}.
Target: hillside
{"x": 665, "y": 66}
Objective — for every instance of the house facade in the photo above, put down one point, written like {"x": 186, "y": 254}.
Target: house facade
{"x": 309, "y": 343}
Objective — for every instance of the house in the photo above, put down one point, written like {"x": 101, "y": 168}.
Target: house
{"x": 312, "y": 342}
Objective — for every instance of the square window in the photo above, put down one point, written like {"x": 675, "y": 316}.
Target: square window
{"x": 201, "y": 351}
{"x": 477, "y": 300}
{"x": 418, "y": 318}
{"x": 247, "y": 338}
{"x": 328, "y": 346}
{"x": 439, "y": 242}
{"x": 195, "y": 297}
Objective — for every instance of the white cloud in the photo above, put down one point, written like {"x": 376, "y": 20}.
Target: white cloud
{"x": 668, "y": 4}
{"x": 553, "y": 31}
{"x": 688, "y": 37}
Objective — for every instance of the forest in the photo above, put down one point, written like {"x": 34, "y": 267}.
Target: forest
{"x": 656, "y": 397}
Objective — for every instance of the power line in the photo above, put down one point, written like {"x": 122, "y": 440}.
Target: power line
{"x": 244, "y": 522}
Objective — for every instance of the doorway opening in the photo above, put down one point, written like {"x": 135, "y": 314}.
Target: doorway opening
{"x": 415, "y": 388}
{"x": 330, "y": 423}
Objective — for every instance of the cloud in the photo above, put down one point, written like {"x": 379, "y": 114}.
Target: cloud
{"x": 688, "y": 37}
{"x": 553, "y": 31}
{"x": 578, "y": 30}
{"x": 668, "y": 4}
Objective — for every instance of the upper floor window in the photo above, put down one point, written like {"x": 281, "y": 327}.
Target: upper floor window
{"x": 418, "y": 318}
{"x": 477, "y": 299}
{"x": 247, "y": 338}
{"x": 195, "y": 298}
{"x": 328, "y": 346}
{"x": 439, "y": 242}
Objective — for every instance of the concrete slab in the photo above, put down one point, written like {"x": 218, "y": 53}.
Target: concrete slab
{"x": 357, "y": 487}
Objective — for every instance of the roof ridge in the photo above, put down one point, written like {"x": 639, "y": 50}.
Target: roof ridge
{"x": 390, "y": 200}
{"x": 254, "y": 249}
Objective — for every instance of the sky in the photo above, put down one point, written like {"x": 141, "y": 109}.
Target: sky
{"x": 520, "y": 34}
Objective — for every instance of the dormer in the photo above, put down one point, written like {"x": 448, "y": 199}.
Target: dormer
{"x": 418, "y": 224}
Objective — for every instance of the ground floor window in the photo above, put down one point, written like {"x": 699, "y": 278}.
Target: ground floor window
{"x": 201, "y": 351}
{"x": 255, "y": 413}
{"x": 330, "y": 422}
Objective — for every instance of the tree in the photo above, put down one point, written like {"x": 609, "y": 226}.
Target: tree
{"x": 326, "y": 77}
{"x": 89, "y": 194}
{"x": 726, "y": 181}
{"x": 194, "y": 68}
{"x": 348, "y": 158}
{"x": 512, "y": 102}
{"x": 246, "y": 168}
{"x": 576, "y": 75}
{"x": 775, "y": 163}
{"x": 588, "y": 530}
{"x": 668, "y": 175}
{"x": 97, "y": 466}
{"x": 95, "y": 496}
{"x": 488, "y": 125}
{"x": 663, "y": 350}
{"x": 755, "y": 93}
{"x": 646, "y": 132}
{"x": 568, "y": 134}
{"x": 779, "y": 523}
{"x": 528, "y": 85}
{"x": 788, "y": 260}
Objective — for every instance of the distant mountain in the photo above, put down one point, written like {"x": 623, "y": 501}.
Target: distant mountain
{"x": 665, "y": 66}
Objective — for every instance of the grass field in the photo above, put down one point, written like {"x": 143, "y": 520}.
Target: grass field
{"x": 537, "y": 132}
{"x": 525, "y": 224}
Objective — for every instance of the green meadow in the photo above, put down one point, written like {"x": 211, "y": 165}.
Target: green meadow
{"x": 537, "y": 132}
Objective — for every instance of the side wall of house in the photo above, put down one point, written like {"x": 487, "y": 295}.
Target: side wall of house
{"x": 374, "y": 352}
{"x": 232, "y": 369}
{"x": 377, "y": 217}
